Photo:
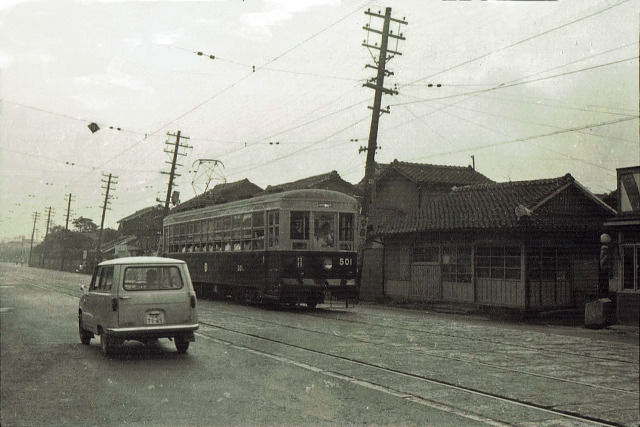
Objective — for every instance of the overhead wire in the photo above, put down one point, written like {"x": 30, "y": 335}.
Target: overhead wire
{"x": 527, "y": 39}
{"x": 527, "y": 138}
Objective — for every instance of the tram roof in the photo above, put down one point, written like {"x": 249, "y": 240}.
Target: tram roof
{"x": 309, "y": 195}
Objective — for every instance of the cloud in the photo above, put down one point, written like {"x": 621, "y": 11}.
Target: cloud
{"x": 256, "y": 25}
{"x": 168, "y": 37}
{"x": 5, "y": 60}
{"x": 116, "y": 80}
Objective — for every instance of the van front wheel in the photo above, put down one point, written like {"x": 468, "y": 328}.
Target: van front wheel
{"x": 182, "y": 345}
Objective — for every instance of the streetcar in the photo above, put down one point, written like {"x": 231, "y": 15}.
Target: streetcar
{"x": 291, "y": 247}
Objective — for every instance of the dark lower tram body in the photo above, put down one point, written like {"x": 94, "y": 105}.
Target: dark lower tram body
{"x": 284, "y": 277}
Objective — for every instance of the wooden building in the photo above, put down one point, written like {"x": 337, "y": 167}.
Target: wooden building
{"x": 624, "y": 250}
{"x": 528, "y": 245}
{"x": 401, "y": 187}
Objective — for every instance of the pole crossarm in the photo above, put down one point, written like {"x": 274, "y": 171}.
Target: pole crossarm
{"x": 378, "y": 47}
{"x": 378, "y": 15}
{"x": 393, "y": 36}
{"x": 380, "y": 88}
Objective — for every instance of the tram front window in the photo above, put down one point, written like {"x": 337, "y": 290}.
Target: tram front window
{"x": 324, "y": 230}
{"x": 346, "y": 232}
{"x": 299, "y": 232}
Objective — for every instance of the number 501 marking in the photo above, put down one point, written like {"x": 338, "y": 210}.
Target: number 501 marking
{"x": 346, "y": 261}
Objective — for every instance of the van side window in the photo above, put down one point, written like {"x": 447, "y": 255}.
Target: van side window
{"x": 95, "y": 280}
{"x": 106, "y": 279}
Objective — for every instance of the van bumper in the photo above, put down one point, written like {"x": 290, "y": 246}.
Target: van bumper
{"x": 160, "y": 331}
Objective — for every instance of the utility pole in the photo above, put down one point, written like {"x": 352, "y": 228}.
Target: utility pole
{"x": 48, "y": 222}
{"x": 33, "y": 232}
{"x": 110, "y": 180}
{"x": 64, "y": 233}
{"x": 46, "y": 234}
{"x": 175, "y": 152}
{"x": 377, "y": 84}
{"x": 66, "y": 225}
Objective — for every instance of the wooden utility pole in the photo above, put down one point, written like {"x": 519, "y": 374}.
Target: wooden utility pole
{"x": 377, "y": 84}
{"x": 48, "y": 222}
{"x": 46, "y": 234}
{"x": 110, "y": 180}
{"x": 33, "y": 232}
{"x": 172, "y": 173}
{"x": 64, "y": 233}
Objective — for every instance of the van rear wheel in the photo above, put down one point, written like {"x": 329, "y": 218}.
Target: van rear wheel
{"x": 182, "y": 345}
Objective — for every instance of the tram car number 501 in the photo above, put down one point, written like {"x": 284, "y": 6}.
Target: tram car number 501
{"x": 346, "y": 261}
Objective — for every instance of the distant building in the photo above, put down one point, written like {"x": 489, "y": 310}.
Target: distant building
{"x": 140, "y": 234}
{"x": 623, "y": 265}
{"x": 529, "y": 245}
{"x": 326, "y": 181}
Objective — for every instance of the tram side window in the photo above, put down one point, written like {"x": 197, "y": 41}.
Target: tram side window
{"x": 246, "y": 231}
{"x": 299, "y": 230}
{"x": 273, "y": 227}
{"x": 324, "y": 230}
{"x": 226, "y": 236}
{"x": 257, "y": 233}
{"x": 236, "y": 233}
{"x": 346, "y": 231}
{"x": 210, "y": 231}
{"x": 217, "y": 234}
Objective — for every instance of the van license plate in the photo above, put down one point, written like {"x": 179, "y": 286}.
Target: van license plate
{"x": 155, "y": 318}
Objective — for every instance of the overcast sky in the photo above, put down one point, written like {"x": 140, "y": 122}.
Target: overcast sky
{"x": 531, "y": 89}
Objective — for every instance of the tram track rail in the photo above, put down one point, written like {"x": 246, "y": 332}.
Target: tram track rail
{"x": 212, "y": 326}
{"x": 77, "y": 294}
{"x": 494, "y": 366}
{"x": 482, "y": 340}
{"x": 397, "y": 393}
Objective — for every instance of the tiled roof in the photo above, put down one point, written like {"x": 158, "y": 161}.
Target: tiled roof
{"x": 316, "y": 181}
{"x": 422, "y": 173}
{"x": 109, "y": 246}
{"x": 492, "y": 206}
{"x": 221, "y": 193}
{"x": 141, "y": 212}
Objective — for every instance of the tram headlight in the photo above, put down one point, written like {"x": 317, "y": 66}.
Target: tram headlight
{"x": 327, "y": 264}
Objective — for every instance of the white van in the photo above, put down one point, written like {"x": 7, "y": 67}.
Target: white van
{"x": 138, "y": 298}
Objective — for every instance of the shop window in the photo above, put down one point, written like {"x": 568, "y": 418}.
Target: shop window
{"x": 548, "y": 263}
{"x": 498, "y": 262}
{"x": 456, "y": 263}
{"x": 631, "y": 268}
{"x": 425, "y": 254}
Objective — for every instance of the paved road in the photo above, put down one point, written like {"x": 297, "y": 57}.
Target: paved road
{"x": 366, "y": 365}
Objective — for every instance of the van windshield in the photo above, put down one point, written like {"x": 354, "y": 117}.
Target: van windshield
{"x": 152, "y": 278}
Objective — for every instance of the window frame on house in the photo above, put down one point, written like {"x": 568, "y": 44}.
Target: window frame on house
{"x": 425, "y": 254}
{"x": 634, "y": 251}
{"x": 498, "y": 262}
{"x": 546, "y": 263}
{"x": 457, "y": 263}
